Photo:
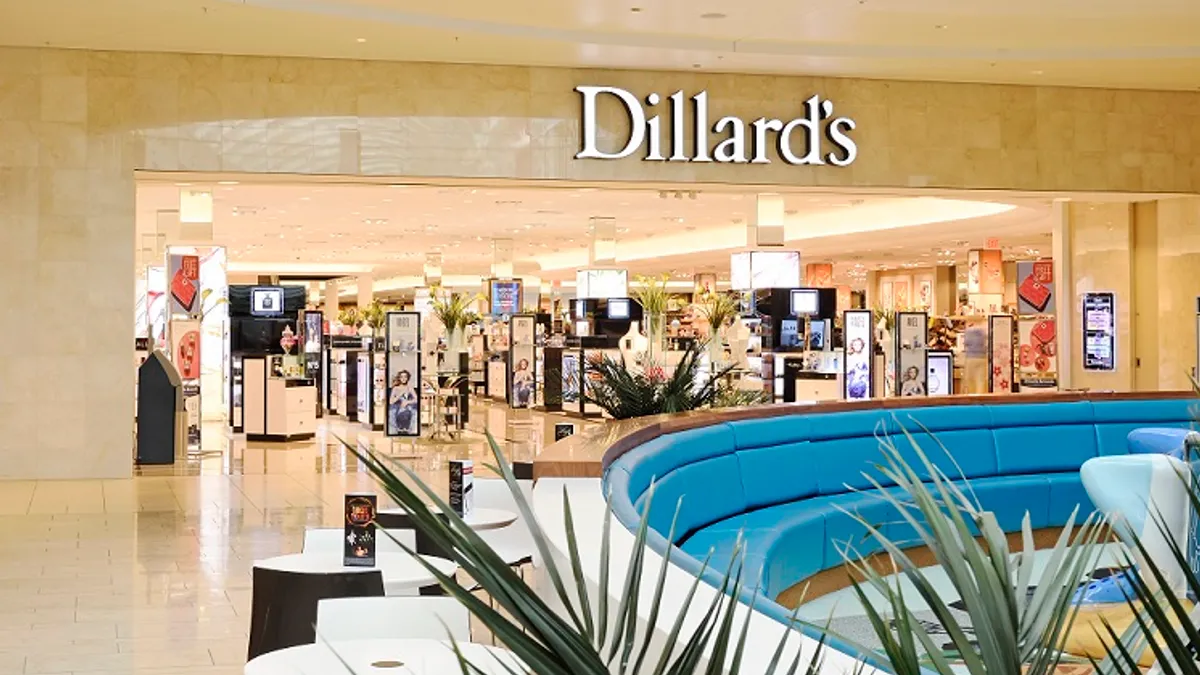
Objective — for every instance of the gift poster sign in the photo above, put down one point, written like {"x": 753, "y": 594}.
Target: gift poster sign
{"x": 403, "y": 337}
{"x": 1000, "y": 353}
{"x": 185, "y": 348}
{"x": 183, "y": 285}
{"x": 358, "y": 546}
{"x": 1035, "y": 287}
{"x": 1036, "y": 353}
{"x": 521, "y": 358}
{"x": 911, "y": 341}
{"x": 985, "y": 272}
{"x": 462, "y": 483}
{"x": 856, "y": 361}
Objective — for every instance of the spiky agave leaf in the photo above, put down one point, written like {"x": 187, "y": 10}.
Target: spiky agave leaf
{"x": 1013, "y": 633}
{"x": 592, "y": 637}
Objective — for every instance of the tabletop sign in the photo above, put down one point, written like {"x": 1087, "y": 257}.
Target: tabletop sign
{"x": 1099, "y": 331}
{"x": 563, "y": 430}
{"x": 462, "y": 482}
{"x": 358, "y": 547}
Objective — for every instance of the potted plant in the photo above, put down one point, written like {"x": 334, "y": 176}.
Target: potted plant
{"x": 651, "y": 293}
{"x": 455, "y": 313}
{"x": 624, "y": 393}
{"x": 718, "y": 309}
{"x": 374, "y": 316}
{"x": 352, "y": 317}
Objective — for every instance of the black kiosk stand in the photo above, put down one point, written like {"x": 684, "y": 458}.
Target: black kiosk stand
{"x": 161, "y": 416}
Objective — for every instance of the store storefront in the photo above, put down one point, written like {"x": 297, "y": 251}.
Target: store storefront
{"x": 77, "y": 125}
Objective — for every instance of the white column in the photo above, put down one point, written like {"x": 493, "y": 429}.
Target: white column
{"x": 331, "y": 301}
{"x": 433, "y": 268}
{"x": 603, "y": 251}
{"x": 1064, "y": 297}
{"x": 502, "y": 258}
{"x": 765, "y": 227}
{"x": 365, "y": 290}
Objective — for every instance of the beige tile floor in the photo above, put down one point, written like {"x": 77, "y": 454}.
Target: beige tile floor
{"x": 151, "y": 576}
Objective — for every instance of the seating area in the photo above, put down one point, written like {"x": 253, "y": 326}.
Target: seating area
{"x": 785, "y": 481}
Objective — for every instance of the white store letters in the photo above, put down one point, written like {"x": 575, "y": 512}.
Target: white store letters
{"x": 824, "y": 138}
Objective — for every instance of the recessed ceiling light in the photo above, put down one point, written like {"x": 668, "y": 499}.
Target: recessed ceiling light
{"x": 1038, "y": 72}
{"x": 227, "y": 182}
{"x": 361, "y": 40}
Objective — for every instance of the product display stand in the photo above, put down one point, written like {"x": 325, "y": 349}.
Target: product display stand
{"x": 912, "y": 340}
{"x": 403, "y": 374}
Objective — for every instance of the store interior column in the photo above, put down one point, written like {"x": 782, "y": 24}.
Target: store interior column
{"x": 365, "y": 286}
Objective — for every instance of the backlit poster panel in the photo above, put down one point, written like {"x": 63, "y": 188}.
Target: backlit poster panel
{"x": 1037, "y": 349}
{"x": 939, "y": 372}
{"x": 911, "y": 337}
{"x": 522, "y": 362}
{"x": 1000, "y": 353}
{"x": 856, "y": 361}
{"x": 1035, "y": 287}
{"x": 183, "y": 285}
{"x": 403, "y": 374}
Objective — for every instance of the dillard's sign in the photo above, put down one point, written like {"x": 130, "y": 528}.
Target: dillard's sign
{"x": 742, "y": 143}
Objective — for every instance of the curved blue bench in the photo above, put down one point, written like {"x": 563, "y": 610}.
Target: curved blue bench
{"x": 784, "y": 481}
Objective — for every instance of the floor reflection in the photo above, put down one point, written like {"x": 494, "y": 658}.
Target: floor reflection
{"x": 152, "y": 575}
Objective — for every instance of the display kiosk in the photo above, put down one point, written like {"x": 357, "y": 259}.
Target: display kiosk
{"x": 271, "y": 397}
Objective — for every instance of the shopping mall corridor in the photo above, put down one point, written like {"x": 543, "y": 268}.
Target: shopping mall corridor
{"x": 151, "y": 576}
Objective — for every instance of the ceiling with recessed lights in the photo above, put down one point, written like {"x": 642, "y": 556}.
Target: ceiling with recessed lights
{"x": 328, "y": 229}
{"x": 1115, "y": 43}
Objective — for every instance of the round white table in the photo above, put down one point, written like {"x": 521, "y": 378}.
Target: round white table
{"x": 480, "y": 519}
{"x": 401, "y": 572}
{"x": 382, "y": 657}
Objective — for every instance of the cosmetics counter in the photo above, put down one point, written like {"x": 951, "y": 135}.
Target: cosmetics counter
{"x": 273, "y": 392}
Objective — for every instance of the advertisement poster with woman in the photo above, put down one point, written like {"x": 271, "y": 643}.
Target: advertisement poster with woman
{"x": 912, "y": 338}
{"x": 857, "y": 361}
{"x": 521, "y": 361}
{"x": 403, "y": 374}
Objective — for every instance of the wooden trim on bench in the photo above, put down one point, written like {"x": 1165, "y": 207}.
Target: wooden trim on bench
{"x": 836, "y": 578}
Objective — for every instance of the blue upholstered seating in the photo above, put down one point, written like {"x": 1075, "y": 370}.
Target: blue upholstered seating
{"x": 785, "y": 484}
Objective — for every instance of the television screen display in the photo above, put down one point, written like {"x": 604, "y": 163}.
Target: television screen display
{"x": 266, "y": 301}
{"x": 817, "y": 335}
{"x": 774, "y": 269}
{"x": 618, "y": 308}
{"x": 805, "y": 302}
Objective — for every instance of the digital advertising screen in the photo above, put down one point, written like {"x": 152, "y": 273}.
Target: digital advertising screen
{"x": 266, "y": 301}
{"x": 618, "y": 308}
{"x": 774, "y": 269}
{"x": 505, "y": 296}
{"x": 805, "y": 302}
{"x": 1099, "y": 331}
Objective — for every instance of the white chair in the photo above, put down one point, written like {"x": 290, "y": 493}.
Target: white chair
{"x": 432, "y": 618}
{"x": 514, "y": 543}
{"x": 330, "y": 540}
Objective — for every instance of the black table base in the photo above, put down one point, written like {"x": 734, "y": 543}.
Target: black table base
{"x": 284, "y": 604}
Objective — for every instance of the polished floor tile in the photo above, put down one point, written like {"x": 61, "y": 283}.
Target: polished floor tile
{"x": 151, "y": 576}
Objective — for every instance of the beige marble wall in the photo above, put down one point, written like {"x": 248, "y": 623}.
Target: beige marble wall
{"x": 75, "y": 125}
{"x": 1178, "y": 286}
{"x": 1101, "y": 260}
